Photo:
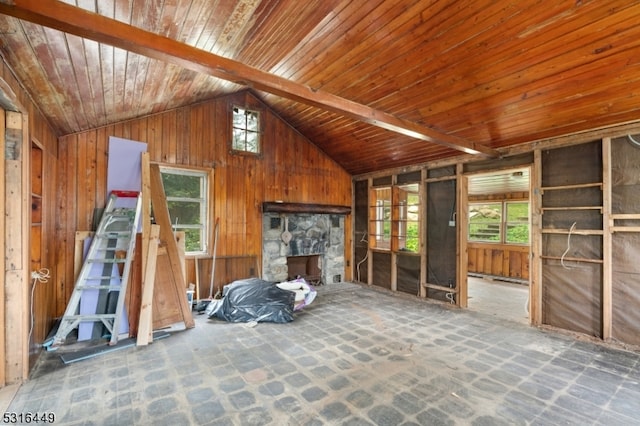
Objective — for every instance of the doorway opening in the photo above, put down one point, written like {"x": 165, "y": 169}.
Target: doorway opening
{"x": 498, "y": 243}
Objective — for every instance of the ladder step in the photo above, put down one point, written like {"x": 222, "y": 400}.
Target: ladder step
{"x": 111, "y": 250}
{"x": 119, "y": 214}
{"x": 112, "y": 235}
{"x": 100, "y": 278}
{"x": 102, "y": 260}
{"x": 88, "y": 317}
{"x": 99, "y": 287}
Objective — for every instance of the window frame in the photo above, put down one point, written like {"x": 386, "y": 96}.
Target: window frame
{"x": 380, "y": 218}
{"x": 401, "y": 196}
{"x": 507, "y": 223}
{"x": 389, "y": 218}
{"x": 503, "y": 222}
{"x": 205, "y": 201}
{"x": 246, "y": 130}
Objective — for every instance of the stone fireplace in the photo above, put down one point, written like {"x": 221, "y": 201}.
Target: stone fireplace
{"x": 315, "y": 250}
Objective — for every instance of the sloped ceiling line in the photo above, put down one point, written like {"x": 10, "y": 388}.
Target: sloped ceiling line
{"x": 76, "y": 21}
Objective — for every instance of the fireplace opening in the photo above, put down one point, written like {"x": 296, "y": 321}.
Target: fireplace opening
{"x": 307, "y": 267}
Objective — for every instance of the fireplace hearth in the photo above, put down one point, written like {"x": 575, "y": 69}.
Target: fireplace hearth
{"x": 307, "y": 267}
{"x": 307, "y": 245}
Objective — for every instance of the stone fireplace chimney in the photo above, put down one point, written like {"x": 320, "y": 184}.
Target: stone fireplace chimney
{"x": 315, "y": 243}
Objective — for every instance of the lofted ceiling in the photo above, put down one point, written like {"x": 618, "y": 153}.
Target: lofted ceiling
{"x": 376, "y": 84}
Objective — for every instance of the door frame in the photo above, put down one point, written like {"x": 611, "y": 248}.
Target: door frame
{"x": 534, "y": 218}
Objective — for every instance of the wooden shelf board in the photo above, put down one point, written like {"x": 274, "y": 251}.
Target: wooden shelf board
{"x": 572, "y": 259}
{"x": 574, "y": 232}
{"x": 561, "y": 187}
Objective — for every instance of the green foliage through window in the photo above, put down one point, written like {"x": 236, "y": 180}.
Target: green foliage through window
{"x": 408, "y": 217}
{"x": 186, "y": 192}
{"x": 488, "y": 222}
{"x": 395, "y": 218}
{"x": 246, "y": 130}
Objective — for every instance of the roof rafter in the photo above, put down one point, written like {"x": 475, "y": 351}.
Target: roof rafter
{"x": 79, "y": 22}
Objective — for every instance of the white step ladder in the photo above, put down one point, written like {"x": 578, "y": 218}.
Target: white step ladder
{"x": 114, "y": 237}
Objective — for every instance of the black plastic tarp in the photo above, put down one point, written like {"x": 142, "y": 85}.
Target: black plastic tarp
{"x": 253, "y": 299}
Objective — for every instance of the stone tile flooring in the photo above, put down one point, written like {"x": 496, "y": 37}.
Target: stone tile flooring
{"x": 498, "y": 298}
{"x": 356, "y": 356}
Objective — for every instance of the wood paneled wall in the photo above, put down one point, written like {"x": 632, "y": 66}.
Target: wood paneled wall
{"x": 290, "y": 169}
{"x": 502, "y": 260}
{"x": 25, "y": 332}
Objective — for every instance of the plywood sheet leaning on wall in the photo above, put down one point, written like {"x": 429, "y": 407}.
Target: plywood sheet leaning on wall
{"x": 625, "y": 182}
{"x": 176, "y": 289}
{"x": 165, "y": 304}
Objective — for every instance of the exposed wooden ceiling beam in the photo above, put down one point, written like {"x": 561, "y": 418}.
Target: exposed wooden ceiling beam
{"x": 79, "y": 22}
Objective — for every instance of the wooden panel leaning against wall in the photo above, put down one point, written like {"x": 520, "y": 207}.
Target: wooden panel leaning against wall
{"x": 289, "y": 168}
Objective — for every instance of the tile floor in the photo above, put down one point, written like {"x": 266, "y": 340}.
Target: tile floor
{"x": 356, "y": 356}
{"x": 497, "y": 298}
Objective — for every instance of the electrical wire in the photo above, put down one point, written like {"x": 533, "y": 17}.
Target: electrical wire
{"x": 568, "y": 246}
{"x": 41, "y": 276}
{"x": 633, "y": 141}
{"x": 366, "y": 241}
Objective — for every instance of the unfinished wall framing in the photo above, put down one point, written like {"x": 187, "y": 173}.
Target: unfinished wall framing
{"x": 28, "y": 304}
{"x": 442, "y": 281}
{"x": 585, "y": 236}
{"x": 572, "y": 237}
{"x": 624, "y": 226}
{"x": 383, "y": 259}
{"x": 361, "y": 233}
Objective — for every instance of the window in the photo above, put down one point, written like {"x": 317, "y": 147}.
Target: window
{"x": 408, "y": 214}
{"x": 485, "y": 222}
{"x": 499, "y": 222}
{"x": 380, "y": 227}
{"x": 395, "y": 218}
{"x": 517, "y": 224}
{"x": 246, "y": 130}
{"x": 187, "y": 199}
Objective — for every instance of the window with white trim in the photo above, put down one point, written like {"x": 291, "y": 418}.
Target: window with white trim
{"x": 187, "y": 192}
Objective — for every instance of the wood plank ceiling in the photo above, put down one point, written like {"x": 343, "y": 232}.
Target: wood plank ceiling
{"x": 491, "y": 73}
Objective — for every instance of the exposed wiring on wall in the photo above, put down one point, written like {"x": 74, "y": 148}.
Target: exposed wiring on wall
{"x": 452, "y": 216}
{"x": 451, "y": 295}
{"x": 450, "y": 298}
{"x": 568, "y": 246}
{"x": 366, "y": 241}
{"x": 41, "y": 276}
{"x": 633, "y": 141}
